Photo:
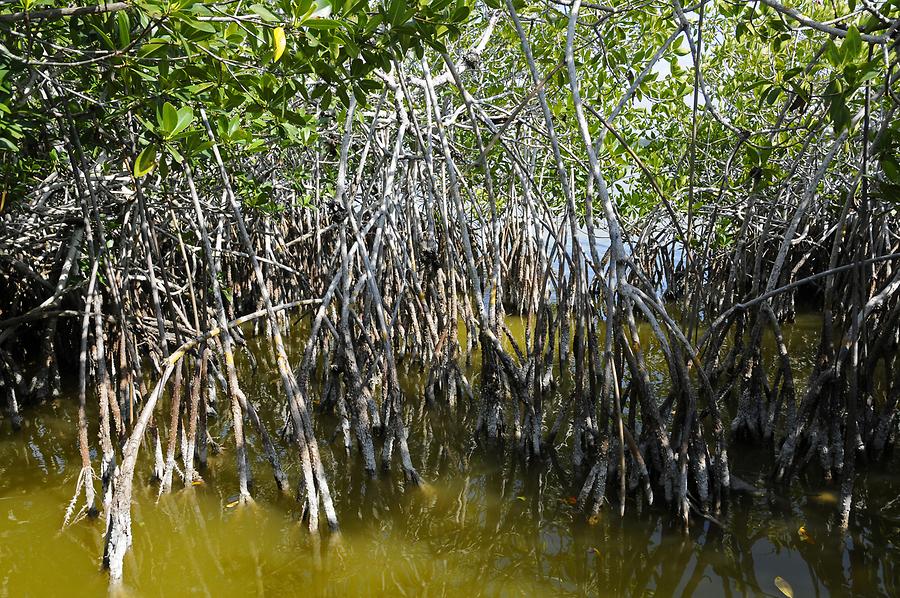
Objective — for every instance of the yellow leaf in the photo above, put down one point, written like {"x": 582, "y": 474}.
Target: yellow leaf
{"x": 146, "y": 161}
{"x": 804, "y": 535}
{"x": 594, "y": 519}
{"x": 232, "y": 504}
{"x": 279, "y": 42}
{"x": 826, "y": 497}
{"x": 786, "y": 589}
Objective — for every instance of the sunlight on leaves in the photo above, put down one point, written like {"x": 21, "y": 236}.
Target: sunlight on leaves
{"x": 279, "y": 42}
{"x": 145, "y": 162}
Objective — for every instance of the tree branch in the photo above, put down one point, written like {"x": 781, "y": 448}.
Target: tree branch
{"x": 812, "y": 24}
{"x": 52, "y": 14}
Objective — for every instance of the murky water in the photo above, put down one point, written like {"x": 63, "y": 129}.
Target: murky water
{"x": 483, "y": 526}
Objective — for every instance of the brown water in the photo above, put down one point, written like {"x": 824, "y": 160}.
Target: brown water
{"x": 484, "y": 526}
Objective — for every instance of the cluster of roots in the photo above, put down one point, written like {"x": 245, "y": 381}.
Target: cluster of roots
{"x": 420, "y": 226}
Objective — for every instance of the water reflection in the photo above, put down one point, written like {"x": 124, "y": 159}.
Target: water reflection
{"x": 484, "y": 526}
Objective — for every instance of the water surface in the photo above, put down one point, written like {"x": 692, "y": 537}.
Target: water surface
{"x": 484, "y": 525}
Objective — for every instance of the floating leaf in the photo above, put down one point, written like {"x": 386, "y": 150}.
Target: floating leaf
{"x": 278, "y": 41}
{"x": 570, "y": 500}
{"x": 522, "y": 498}
{"x": 826, "y": 497}
{"x": 804, "y": 535}
{"x": 145, "y": 162}
{"x": 786, "y": 589}
{"x": 594, "y": 519}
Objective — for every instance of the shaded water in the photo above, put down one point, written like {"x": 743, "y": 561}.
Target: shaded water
{"x": 483, "y": 526}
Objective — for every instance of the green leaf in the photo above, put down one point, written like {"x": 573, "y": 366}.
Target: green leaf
{"x": 834, "y": 54}
{"x": 753, "y": 155}
{"x": 461, "y": 13}
{"x": 104, "y": 38}
{"x": 764, "y": 93}
{"x": 321, "y": 9}
{"x": 175, "y": 153}
{"x": 839, "y": 113}
{"x": 201, "y": 26}
{"x": 870, "y": 70}
{"x": 152, "y": 47}
{"x": 852, "y": 43}
{"x": 891, "y": 169}
{"x": 147, "y": 124}
{"x": 396, "y": 12}
{"x": 145, "y": 162}
{"x": 184, "y": 118}
{"x": 168, "y": 119}
{"x": 199, "y": 88}
{"x": 124, "y": 28}
{"x": 264, "y": 13}
{"x": 234, "y": 34}
{"x": 322, "y": 24}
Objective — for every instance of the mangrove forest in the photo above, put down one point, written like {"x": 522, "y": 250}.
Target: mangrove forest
{"x": 450, "y": 297}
